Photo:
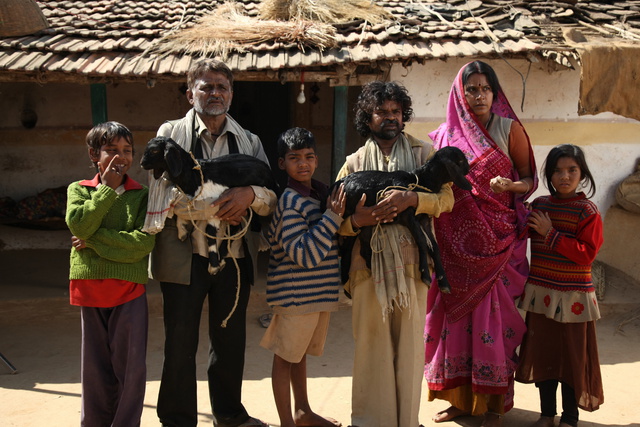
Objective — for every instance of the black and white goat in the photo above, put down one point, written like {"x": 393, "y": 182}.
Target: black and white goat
{"x": 448, "y": 164}
{"x": 164, "y": 156}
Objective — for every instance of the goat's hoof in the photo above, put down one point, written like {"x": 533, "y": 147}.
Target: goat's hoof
{"x": 215, "y": 270}
{"x": 444, "y": 288}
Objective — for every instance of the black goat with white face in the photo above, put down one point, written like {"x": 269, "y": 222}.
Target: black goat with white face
{"x": 164, "y": 156}
{"x": 447, "y": 165}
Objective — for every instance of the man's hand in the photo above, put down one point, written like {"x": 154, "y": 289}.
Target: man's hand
{"x": 384, "y": 211}
{"x": 401, "y": 199}
{"x": 233, "y": 204}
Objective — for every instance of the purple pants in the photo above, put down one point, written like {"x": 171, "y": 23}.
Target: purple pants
{"x": 114, "y": 351}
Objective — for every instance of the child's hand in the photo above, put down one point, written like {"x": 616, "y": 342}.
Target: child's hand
{"x": 110, "y": 175}
{"x": 337, "y": 200}
{"x": 540, "y": 222}
{"x": 78, "y": 243}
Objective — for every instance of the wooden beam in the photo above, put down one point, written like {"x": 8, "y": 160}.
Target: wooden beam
{"x": 340, "y": 114}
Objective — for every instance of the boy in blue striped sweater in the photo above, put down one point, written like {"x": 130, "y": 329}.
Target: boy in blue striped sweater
{"x": 303, "y": 279}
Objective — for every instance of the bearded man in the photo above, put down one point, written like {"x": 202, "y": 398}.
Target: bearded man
{"x": 389, "y": 300}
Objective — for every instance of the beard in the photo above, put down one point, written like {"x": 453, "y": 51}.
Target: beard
{"x": 210, "y": 110}
{"x": 388, "y": 134}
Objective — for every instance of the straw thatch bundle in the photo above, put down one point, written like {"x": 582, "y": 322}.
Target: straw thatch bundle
{"x": 227, "y": 29}
{"x": 326, "y": 11}
{"x": 20, "y": 18}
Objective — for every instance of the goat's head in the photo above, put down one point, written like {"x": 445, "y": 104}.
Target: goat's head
{"x": 162, "y": 154}
{"x": 455, "y": 164}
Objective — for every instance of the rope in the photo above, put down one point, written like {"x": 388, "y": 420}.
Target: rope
{"x": 225, "y": 236}
{"x": 378, "y": 237}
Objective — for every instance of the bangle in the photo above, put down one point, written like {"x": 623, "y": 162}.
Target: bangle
{"x": 354, "y": 223}
{"x": 528, "y": 187}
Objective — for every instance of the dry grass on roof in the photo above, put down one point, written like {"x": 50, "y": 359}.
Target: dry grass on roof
{"x": 325, "y": 11}
{"x": 226, "y": 29}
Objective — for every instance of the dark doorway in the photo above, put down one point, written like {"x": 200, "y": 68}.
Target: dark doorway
{"x": 263, "y": 108}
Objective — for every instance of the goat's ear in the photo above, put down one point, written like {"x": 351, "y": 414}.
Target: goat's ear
{"x": 172, "y": 157}
{"x": 457, "y": 174}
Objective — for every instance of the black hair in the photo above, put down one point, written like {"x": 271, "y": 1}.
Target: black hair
{"x": 375, "y": 94}
{"x": 295, "y": 139}
{"x": 105, "y": 133}
{"x": 479, "y": 67}
{"x": 573, "y": 152}
{"x": 199, "y": 68}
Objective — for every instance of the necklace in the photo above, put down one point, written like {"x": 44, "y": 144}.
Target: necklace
{"x": 386, "y": 158}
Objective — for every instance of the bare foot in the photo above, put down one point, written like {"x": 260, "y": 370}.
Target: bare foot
{"x": 449, "y": 414}
{"x": 544, "y": 422}
{"x": 311, "y": 419}
{"x": 491, "y": 420}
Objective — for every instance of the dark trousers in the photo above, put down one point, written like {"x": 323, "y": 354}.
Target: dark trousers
{"x": 114, "y": 351}
{"x": 177, "y": 400}
{"x": 547, "y": 391}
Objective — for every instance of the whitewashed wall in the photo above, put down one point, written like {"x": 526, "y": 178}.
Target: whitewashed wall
{"x": 611, "y": 143}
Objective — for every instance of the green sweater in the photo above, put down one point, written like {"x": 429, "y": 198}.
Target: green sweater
{"x": 110, "y": 225}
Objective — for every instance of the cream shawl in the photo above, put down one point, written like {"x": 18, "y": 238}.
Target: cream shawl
{"x": 162, "y": 193}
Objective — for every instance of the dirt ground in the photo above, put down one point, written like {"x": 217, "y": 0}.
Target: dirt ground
{"x": 40, "y": 336}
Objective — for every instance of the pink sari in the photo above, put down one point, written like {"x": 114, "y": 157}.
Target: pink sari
{"x": 471, "y": 334}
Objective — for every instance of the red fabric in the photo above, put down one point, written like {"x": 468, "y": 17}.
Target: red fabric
{"x": 103, "y": 292}
{"x": 129, "y": 183}
{"x": 562, "y": 259}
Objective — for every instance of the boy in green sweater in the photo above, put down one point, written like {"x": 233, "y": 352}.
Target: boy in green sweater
{"x": 108, "y": 273}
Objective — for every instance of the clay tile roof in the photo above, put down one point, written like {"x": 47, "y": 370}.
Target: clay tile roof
{"x": 101, "y": 40}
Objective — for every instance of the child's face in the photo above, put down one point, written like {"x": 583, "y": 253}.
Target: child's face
{"x": 566, "y": 177}
{"x": 300, "y": 164}
{"x": 116, "y": 155}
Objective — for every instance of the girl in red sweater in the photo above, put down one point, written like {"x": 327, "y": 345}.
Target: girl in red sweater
{"x": 560, "y": 343}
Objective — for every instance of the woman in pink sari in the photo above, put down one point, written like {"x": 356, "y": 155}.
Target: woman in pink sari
{"x": 472, "y": 333}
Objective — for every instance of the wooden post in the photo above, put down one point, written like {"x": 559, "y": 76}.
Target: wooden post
{"x": 340, "y": 115}
{"x": 98, "y": 103}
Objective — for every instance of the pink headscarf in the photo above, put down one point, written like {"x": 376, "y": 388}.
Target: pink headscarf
{"x": 481, "y": 234}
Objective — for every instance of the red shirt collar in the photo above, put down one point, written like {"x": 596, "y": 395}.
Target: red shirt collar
{"x": 318, "y": 190}
{"x": 129, "y": 183}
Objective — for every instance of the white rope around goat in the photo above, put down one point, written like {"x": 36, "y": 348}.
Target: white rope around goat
{"x": 239, "y": 235}
{"x": 378, "y": 240}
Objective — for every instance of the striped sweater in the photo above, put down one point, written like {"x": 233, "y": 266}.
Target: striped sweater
{"x": 559, "y": 283}
{"x": 303, "y": 275}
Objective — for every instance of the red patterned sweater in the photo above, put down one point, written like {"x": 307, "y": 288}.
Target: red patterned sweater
{"x": 559, "y": 284}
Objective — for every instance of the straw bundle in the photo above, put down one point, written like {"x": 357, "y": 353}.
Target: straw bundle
{"x": 227, "y": 29}
{"x": 325, "y": 11}
{"x": 20, "y": 18}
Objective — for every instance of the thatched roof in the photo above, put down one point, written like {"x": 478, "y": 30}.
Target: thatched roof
{"x": 103, "y": 40}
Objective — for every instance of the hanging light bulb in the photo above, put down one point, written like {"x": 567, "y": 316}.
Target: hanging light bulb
{"x": 301, "y": 98}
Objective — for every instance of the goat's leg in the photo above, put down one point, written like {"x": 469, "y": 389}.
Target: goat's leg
{"x": 346, "y": 246}
{"x": 365, "y": 244}
{"x": 214, "y": 258}
{"x": 409, "y": 220}
{"x": 443, "y": 283}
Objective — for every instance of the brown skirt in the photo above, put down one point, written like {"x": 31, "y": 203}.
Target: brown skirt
{"x": 567, "y": 352}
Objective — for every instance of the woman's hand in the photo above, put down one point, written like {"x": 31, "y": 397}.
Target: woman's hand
{"x": 337, "y": 200}
{"x": 500, "y": 185}
{"x": 540, "y": 222}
